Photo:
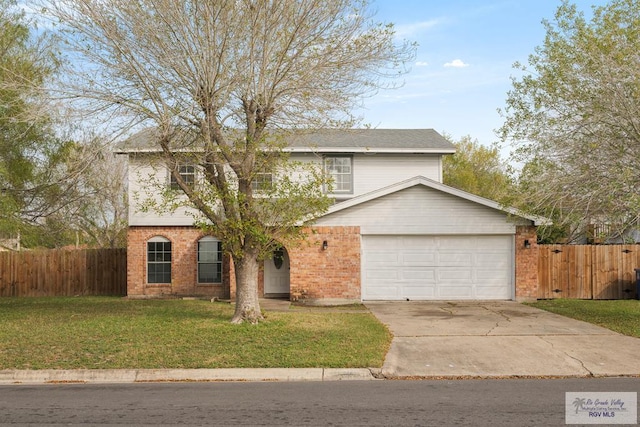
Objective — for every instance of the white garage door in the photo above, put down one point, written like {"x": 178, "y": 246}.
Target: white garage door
{"x": 437, "y": 267}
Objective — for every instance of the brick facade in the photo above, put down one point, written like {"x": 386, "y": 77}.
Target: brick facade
{"x": 328, "y": 275}
{"x": 184, "y": 266}
{"x": 526, "y": 267}
{"x": 317, "y": 275}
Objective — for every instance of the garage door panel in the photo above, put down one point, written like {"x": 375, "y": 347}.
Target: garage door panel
{"x": 384, "y": 292}
{"x": 382, "y": 274}
{"x": 495, "y": 259}
{"x": 455, "y": 292}
{"x": 455, "y": 275}
{"x": 419, "y": 292}
{"x": 383, "y": 258}
{"x": 410, "y": 242}
{"x": 421, "y": 275}
{"x": 492, "y": 276}
{"x": 490, "y": 292}
{"x": 490, "y": 240}
{"x": 437, "y": 267}
{"x": 455, "y": 260}
{"x": 453, "y": 243}
{"x": 419, "y": 258}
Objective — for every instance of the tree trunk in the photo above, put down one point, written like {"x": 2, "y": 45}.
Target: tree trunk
{"x": 247, "y": 303}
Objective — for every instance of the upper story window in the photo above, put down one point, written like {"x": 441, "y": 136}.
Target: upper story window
{"x": 262, "y": 182}
{"x": 340, "y": 169}
{"x": 187, "y": 173}
{"x": 158, "y": 260}
{"x": 209, "y": 260}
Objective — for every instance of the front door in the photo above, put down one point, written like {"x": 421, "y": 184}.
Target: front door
{"x": 276, "y": 274}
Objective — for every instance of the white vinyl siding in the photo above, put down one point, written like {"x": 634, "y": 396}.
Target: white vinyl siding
{"x": 381, "y": 170}
{"x": 421, "y": 210}
{"x": 144, "y": 181}
{"x": 374, "y": 171}
{"x": 370, "y": 172}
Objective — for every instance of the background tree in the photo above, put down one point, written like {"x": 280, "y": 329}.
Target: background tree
{"x": 30, "y": 153}
{"x": 224, "y": 78}
{"x": 477, "y": 169}
{"x": 94, "y": 212}
{"x": 101, "y": 210}
{"x": 575, "y": 113}
{"x": 54, "y": 191}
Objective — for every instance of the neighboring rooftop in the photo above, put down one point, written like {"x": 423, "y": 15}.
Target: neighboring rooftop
{"x": 335, "y": 140}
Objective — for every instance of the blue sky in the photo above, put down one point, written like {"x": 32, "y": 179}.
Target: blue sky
{"x": 462, "y": 71}
{"x": 461, "y": 74}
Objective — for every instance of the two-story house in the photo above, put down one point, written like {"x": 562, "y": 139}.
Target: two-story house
{"x": 396, "y": 232}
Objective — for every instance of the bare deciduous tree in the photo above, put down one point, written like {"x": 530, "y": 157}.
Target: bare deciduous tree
{"x": 223, "y": 78}
{"x": 99, "y": 207}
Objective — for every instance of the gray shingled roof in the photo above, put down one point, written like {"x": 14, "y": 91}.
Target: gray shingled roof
{"x": 384, "y": 140}
{"x": 352, "y": 140}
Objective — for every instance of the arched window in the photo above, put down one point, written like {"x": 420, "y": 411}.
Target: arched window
{"x": 209, "y": 260}
{"x": 158, "y": 260}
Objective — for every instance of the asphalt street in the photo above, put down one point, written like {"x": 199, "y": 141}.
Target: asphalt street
{"x": 506, "y": 402}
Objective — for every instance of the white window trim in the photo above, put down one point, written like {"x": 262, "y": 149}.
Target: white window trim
{"x": 257, "y": 181}
{"x": 351, "y": 181}
{"x": 198, "y": 262}
{"x": 173, "y": 184}
{"x": 158, "y": 239}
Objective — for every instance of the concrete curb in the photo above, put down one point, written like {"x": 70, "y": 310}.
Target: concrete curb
{"x": 84, "y": 376}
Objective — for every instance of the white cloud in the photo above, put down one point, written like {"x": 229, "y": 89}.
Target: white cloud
{"x": 409, "y": 30}
{"x": 456, "y": 63}
{"x": 422, "y": 64}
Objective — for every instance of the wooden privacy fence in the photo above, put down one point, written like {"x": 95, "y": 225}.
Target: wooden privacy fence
{"x": 63, "y": 273}
{"x": 588, "y": 271}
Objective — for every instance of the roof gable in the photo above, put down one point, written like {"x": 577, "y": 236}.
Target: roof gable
{"x": 422, "y": 181}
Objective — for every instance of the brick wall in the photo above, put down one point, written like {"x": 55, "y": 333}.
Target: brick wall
{"x": 526, "y": 264}
{"x": 316, "y": 274}
{"x": 331, "y": 275}
{"x": 184, "y": 268}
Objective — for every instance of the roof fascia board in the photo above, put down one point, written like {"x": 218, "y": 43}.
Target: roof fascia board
{"x": 317, "y": 150}
{"x": 365, "y": 150}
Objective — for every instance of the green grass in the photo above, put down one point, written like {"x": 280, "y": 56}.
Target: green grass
{"x": 114, "y": 333}
{"x": 622, "y": 316}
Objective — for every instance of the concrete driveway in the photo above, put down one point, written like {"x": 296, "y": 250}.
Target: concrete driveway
{"x": 498, "y": 339}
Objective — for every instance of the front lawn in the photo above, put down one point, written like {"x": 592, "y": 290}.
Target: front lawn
{"x": 114, "y": 333}
{"x": 620, "y": 315}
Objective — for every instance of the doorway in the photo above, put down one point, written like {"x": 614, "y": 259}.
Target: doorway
{"x": 276, "y": 274}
